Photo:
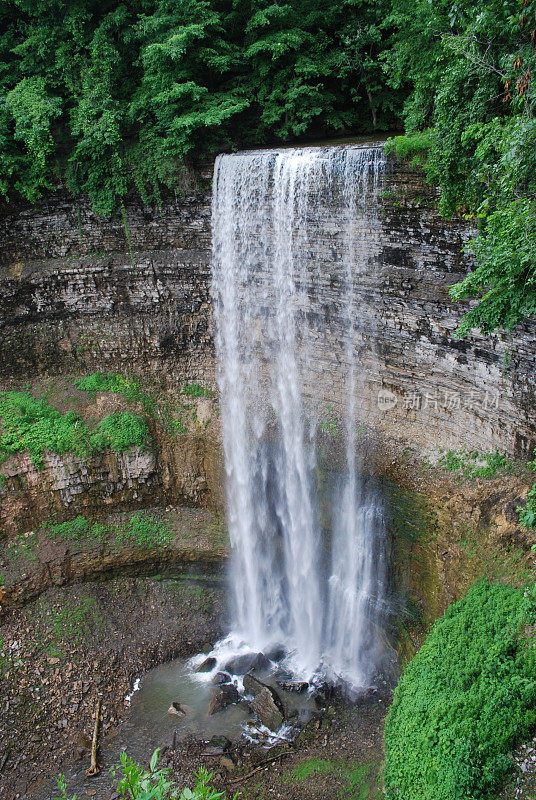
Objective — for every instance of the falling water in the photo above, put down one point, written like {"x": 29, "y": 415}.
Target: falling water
{"x": 268, "y": 211}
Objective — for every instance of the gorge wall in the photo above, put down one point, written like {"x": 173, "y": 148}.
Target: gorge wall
{"x": 79, "y": 293}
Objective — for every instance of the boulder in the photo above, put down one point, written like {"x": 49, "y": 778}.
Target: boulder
{"x": 293, "y": 686}
{"x": 179, "y": 709}
{"x": 265, "y": 706}
{"x": 239, "y": 665}
{"x": 276, "y": 653}
{"x": 222, "y": 677}
{"x": 223, "y": 697}
{"x": 207, "y": 665}
{"x": 266, "y": 703}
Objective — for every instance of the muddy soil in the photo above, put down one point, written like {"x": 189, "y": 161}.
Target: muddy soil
{"x": 76, "y": 644}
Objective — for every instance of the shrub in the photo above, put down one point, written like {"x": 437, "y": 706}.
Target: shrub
{"x": 116, "y": 384}
{"x": 27, "y": 423}
{"x": 121, "y": 430}
{"x": 33, "y": 425}
{"x": 465, "y": 700}
{"x": 139, "y": 783}
{"x": 75, "y": 529}
{"x": 413, "y": 146}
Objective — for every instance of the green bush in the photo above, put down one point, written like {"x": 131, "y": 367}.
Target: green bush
{"x": 75, "y": 529}
{"x": 120, "y": 431}
{"x": 33, "y": 425}
{"x": 414, "y": 147}
{"x": 465, "y": 700}
{"x": 29, "y": 424}
{"x": 117, "y": 384}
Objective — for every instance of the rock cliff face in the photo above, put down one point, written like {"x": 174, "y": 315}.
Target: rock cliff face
{"x": 79, "y": 293}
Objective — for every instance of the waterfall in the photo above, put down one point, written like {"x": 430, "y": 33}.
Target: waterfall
{"x": 276, "y": 215}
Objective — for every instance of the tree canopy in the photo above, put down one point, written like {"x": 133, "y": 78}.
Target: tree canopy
{"x": 102, "y": 95}
{"x": 105, "y": 96}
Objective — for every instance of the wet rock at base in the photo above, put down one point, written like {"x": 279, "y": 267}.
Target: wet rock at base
{"x": 222, "y": 677}
{"x": 242, "y": 664}
{"x": 276, "y": 653}
{"x": 207, "y": 665}
{"x": 223, "y": 697}
{"x": 293, "y": 686}
{"x": 179, "y": 709}
{"x": 265, "y": 707}
{"x": 266, "y": 703}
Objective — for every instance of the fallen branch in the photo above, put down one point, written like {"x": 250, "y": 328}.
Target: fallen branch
{"x": 259, "y": 767}
{"x": 5, "y": 758}
{"x": 94, "y": 768}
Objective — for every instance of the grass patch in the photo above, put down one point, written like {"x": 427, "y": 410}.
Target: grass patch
{"x": 314, "y": 766}
{"x": 77, "y": 529}
{"x": 28, "y": 424}
{"x": 465, "y": 700}
{"x": 139, "y": 530}
{"x": 357, "y": 781}
{"x": 196, "y": 390}
{"x": 412, "y": 147}
{"x": 473, "y": 464}
{"x": 129, "y": 388}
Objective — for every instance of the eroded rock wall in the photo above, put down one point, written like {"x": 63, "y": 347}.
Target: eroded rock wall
{"x": 80, "y": 293}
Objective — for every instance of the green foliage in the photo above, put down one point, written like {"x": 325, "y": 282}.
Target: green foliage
{"x": 465, "y": 700}
{"x": 414, "y": 147}
{"x": 62, "y": 788}
{"x": 138, "y": 783}
{"x": 469, "y": 69}
{"x": 527, "y": 513}
{"x": 142, "y": 531}
{"x": 139, "y": 530}
{"x": 120, "y": 431}
{"x": 32, "y": 425}
{"x": 473, "y": 464}
{"x": 109, "y": 96}
{"x": 117, "y": 384}
{"x": 195, "y": 390}
{"x": 76, "y": 529}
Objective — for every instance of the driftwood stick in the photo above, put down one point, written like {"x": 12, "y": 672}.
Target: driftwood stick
{"x": 3, "y": 760}
{"x": 94, "y": 767}
{"x": 259, "y": 767}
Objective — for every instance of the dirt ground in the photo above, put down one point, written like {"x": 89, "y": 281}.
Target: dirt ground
{"x": 76, "y": 644}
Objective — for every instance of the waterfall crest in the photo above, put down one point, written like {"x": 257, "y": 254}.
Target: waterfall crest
{"x": 320, "y": 596}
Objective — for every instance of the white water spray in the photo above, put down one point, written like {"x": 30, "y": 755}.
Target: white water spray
{"x": 325, "y": 609}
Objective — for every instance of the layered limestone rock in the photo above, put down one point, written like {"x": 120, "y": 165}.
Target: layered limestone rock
{"x": 79, "y": 293}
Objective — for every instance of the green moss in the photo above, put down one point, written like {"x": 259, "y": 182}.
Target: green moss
{"x": 357, "y": 781}
{"x": 465, "y": 700}
{"x": 313, "y": 766}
